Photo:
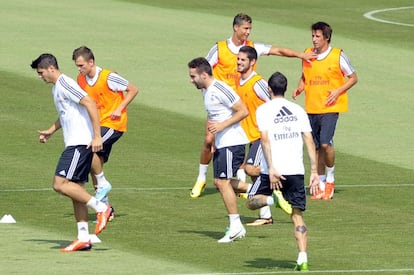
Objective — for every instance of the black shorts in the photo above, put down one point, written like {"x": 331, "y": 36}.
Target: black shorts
{"x": 293, "y": 189}
{"x": 254, "y": 156}
{"x": 260, "y": 187}
{"x": 323, "y": 127}
{"x": 75, "y": 163}
{"x": 109, "y": 137}
{"x": 227, "y": 160}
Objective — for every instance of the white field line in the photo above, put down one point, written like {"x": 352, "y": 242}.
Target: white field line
{"x": 393, "y": 271}
{"x": 189, "y": 187}
{"x": 369, "y": 15}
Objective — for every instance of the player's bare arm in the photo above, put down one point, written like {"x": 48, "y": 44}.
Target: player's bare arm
{"x": 308, "y": 57}
{"x": 130, "y": 93}
{"x": 314, "y": 177}
{"x": 274, "y": 175}
{"x": 300, "y": 88}
{"x": 334, "y": 94}
{"x": 240, "y": 112}
{"x": 44, "y": 135}
{"x": 90, "y": 105}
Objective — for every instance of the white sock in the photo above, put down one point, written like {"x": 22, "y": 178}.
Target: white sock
{"x": 270, "y": 200}
{"x": 96, "y": 205}
{"x": 265, "y": 213}
{"x": 83, "y": 231}
{"x": 202, "y": 172}
{"x": 322, "y": 181}
{"x": 100, "y": 178}
{"x": 322, "y": 178}
{"x": 235, "y": 221}
{"x": 241, "y": 175}
{"x": 302, "y": 257}
{"x": 330, "y": 174}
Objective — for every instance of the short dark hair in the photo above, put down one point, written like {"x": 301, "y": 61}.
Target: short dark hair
{"x": 240, "y": 18}
{"x": 250, "y": 51}
{"x": 201, "y": 65}
{"x": 44, "y": 61}
{"x": 83, "y": 51}
{"x": 278, "y": 83}
{"x": 325, "y": 28}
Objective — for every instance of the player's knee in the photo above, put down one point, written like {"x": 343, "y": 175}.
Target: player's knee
{"x": 218, "y": 183}
{"x": 208, "y": 142}
{"x": 325, "y": 146}
{"x": 209, "y": 139}
{"x": 252, "y": 171}
{"x": 58, "y": 184}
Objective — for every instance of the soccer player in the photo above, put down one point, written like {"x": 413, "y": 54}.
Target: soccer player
{"x": 253, "y": 90}
{"x": 284, "y": 127}
{"x": 223, "y": 58}
{"x": 112, "y": 94}
{"x": 325, "y": 81}
{"x": 79, "y": 120}
{"x": 225, "y": 110}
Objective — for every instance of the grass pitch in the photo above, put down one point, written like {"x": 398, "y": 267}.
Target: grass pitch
{"x": 158, "y": 228}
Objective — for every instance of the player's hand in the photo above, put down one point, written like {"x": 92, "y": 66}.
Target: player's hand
{"x": 96, "y": 144}
{"x": 314, "y": 183}
{"x": 116, "y": 115}
{"x": 332, "y": 97}
{"x": 214, "y": 127}
{"x": 296, "y": 92}
{"x": 309, "y": 56}
{"x": 44, "y": 135}
{"x": 275, "y": 179}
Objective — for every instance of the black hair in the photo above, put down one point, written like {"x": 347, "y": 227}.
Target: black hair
{"x": 201, "y": 65}
{"x": 278, "y": 84}
{"x": 44, "y": 61}
{"x": 325, "y": 28}
{"x": 240, "y": 18}
{"x": 250, "y": 51}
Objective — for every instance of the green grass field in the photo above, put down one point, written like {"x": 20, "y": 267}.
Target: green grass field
{"x": 158, "y": 228}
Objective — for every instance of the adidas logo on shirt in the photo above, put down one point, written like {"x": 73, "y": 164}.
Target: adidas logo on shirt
{"x": 284, "y": 115}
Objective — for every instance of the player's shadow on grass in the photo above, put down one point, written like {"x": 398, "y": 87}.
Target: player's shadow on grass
{"x": 211, "y": 234}
{"x": 268, "y": 263}
{"x": 250, "y": 219}
{"x": 92, "y": 216}
{"x": 58, "y": 244}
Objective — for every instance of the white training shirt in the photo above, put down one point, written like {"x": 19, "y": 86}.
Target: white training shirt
{"x": 218, "y": 100}
{"x": 284, "y": 122}
{"x": 212, "y": 56}
{"x": 115, "y": 82}
{"x": 74, "y": 118}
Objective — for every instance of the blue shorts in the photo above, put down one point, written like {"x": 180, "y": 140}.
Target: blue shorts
{"x": 227, "y": 160}
{"x": 75, "y": 163}
{"x": 109, "y": 137}
{"x": 293, "y": 189}
{"x": 255, "y": 154}
{"x": 323, "y": 127}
